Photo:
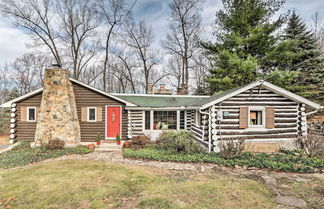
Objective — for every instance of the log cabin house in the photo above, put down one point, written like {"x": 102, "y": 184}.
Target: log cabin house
{"x": 67, "y": 109}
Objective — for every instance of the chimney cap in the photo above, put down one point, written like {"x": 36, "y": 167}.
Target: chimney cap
{"x": 57, "y": 65}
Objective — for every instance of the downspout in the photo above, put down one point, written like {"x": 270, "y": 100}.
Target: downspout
{"x": 209, "y": 134}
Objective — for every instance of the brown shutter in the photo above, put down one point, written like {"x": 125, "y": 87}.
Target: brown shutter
{"x": 270, "y": 117}
{"x": 244, "y": 117}
{"x": 99, "y": 114}
{"x": 84, "y": 113}
{"x": 23, "y": 113}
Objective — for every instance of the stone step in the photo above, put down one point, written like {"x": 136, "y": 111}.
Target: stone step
{"x": 107, "y": 150}
{"x": 108, "y": 147}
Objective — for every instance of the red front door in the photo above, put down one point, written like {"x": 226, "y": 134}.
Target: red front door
{"x": 112, "y": 122}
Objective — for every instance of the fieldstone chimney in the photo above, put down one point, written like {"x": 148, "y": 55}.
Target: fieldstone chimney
{"x": 58, "y": 118}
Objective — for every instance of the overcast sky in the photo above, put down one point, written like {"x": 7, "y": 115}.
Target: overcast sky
{"x": 154, "y": 12}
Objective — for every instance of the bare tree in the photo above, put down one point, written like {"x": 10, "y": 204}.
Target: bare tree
{"x": 174, "y": 65}
{"x": 182, "y": 40}
{"x": 4, "y": 83}
{"x": 126, "y": 66}
{"x": 65, "y": 27}
{"x": 27, "y": 72}
{"x": 114, "y": 14}
{"x": 78, "y": 22}
{"x": 318, "y": 30}
{"x": 140, "y": 39}
{"x": 201, "y": 64}
{"x": 35, "y": 17}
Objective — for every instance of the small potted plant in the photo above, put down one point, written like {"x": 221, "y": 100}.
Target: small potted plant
{"x": 118, "y": 139}
{"x": 98, "y": 139}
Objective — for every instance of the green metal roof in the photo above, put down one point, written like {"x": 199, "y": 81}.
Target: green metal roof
{"x": 219, "y": 95}
{"x": 160, "y": 101}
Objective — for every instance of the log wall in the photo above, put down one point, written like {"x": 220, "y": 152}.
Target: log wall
{"x": 135, "y": 123}
{"x": 288, "y": 117}
{"x": 25, "y": 131}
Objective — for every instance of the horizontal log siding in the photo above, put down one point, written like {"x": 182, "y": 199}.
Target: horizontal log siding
{"x": 136, "y": 122}
{"x": 87, "y": 98}
{"x": 25, "y": 131}
{"x": 84, "y": 98}
{"x": 286, "y": 116}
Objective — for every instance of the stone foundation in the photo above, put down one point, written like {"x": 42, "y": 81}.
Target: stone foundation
{"x": 58, "y": 117}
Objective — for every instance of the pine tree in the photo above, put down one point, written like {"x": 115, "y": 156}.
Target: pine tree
{"x": 245, "y": 35}
{"x": 307, "y": 60}
{"x": 304, "y": 45}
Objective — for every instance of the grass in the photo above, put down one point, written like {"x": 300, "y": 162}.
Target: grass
{"x": 278, "y": 162}
{"x": 88, "y": 184}
{"x": 24, "y": 155}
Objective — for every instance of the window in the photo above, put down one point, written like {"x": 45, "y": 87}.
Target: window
{"x": 31, "y": 114}
{"x": 92, "y": 112}
{"x": 256, "y": 117}
{"x": 165, "y": 120}
{"x": 147, "y": 120}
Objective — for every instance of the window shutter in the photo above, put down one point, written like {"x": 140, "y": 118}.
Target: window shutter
{"x": 244, "y": 117}
{"x": 99, "y": 114}
{"x": 270, "y": 117}
{"x": 84, "y": 113}
{"x": 23, "y": 113}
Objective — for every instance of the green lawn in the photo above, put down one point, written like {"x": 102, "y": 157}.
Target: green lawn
{"x": 90, "y": 184}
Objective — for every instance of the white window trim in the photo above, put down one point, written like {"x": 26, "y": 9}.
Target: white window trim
{"x": 88, "y": 114}
{"x": 256, "y": 127}
{"x": 28, "y": 108}
{"x": 152, "y": 120}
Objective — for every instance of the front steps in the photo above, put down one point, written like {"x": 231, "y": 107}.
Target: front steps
{"x": 109, "y": 147}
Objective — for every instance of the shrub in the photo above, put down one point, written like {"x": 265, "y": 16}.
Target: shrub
{"x": 180, "y": 141}
{"x": 55, "y": 144}
{"x": 277, "y": 162}
{"x": 137, "y": 142}
{"x": 310, "y": 145}
{"x": 231, "y": 148}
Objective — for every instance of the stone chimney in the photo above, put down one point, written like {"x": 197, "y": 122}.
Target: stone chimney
{"x": 150, "y": 88}
{"x": 58, "y": 117}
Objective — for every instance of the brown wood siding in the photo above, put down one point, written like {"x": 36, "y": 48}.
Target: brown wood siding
{"x": 87, "y": 98}
{"x": 26, "y": 130}
{"x": 285, "y": 116}
{"x": 84, "y": 98}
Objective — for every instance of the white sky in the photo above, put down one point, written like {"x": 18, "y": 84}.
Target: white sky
{"x": 155, "y": 12}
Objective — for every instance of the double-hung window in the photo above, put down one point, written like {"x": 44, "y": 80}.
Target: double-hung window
{"x": 92, "y": 114}
{"x": 31, "y": 114}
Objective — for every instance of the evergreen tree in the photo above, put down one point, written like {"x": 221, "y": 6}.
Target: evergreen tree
{"x": 308, "y": 61}
{"x": 297, "y": 55}
{"x": 245, "y": 35}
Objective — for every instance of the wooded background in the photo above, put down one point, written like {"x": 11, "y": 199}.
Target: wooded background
{"x": 101, "y": 44}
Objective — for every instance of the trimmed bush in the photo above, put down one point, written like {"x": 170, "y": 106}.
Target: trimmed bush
{"x": 180, "y": 141}
{"x": 277, "y": 162}
{"x": 137, "y": 142}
